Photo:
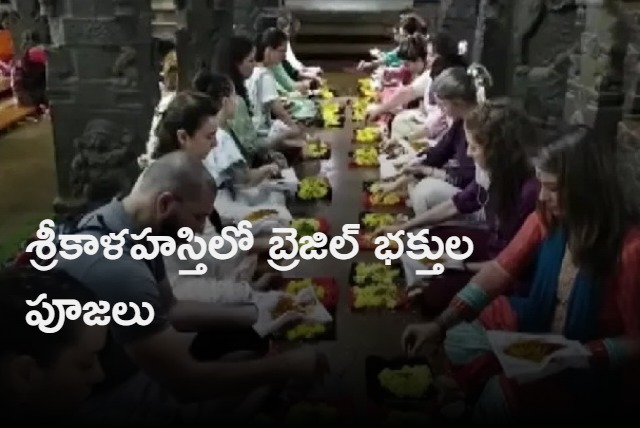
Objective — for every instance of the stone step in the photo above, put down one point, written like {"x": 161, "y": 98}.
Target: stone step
{"x": 312, "y": 29}
{"x": 348, "y": 5}
{"x": 308, "y": 49}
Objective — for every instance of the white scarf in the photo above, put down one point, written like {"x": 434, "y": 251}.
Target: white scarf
{"x": 482, "y": 177}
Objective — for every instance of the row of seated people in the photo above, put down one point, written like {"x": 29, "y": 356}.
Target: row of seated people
{"x": 555, "y": 244}
{"x": 205, "y": 356}
{"x": 577, "y": 251}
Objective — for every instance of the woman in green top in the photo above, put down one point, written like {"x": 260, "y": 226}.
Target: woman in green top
{"x": 236, "y": 59}
{"x": 299, "y": 105}
{"x": 409, "y": 25}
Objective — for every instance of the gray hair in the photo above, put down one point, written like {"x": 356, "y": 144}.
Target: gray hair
{"x": 459, "y": 83}
{"x": 178, "y": 173}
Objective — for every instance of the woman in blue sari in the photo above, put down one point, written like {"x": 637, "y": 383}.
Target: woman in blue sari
{"x": 584, "y": 249}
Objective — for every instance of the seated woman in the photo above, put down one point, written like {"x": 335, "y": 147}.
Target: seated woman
{"x": 500, "y": 141}
{"x": 427, "y": 121}
{"x": 190, "y": 123}
{"x": 236, "y": 59}
{"x": 293, "y": 94}
{"x": 409, "y": 25}
{"x": 584, "y": 248}
{"x": 263, "y": 89}
{"x": 240, "y": 186}
{"x": 426, "y": 58}
{"x": 290, "y": 25}
{"x": 45, "y": 376}
{"x": 445, "y": 169}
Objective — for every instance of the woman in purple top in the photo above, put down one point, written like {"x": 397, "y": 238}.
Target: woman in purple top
{"x": 440, "y": 172}
{"x": 504, "y": 190}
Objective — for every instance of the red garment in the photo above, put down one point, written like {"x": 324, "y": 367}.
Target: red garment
{"x": 37, "y": 54}
{"x": 619, "y": 317}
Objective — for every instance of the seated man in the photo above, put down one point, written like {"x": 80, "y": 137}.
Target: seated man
{"x": 149, "y": 368}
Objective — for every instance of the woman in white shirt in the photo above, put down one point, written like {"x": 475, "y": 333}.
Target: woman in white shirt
{"x": 262, "y": 87}
{"x": 290, "y": 25}
{"x": 190, "y": 123}
{"x": 241, "y": 189}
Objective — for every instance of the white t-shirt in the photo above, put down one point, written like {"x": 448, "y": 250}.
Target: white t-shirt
{"x": 293, "y": 60}
{"x": 224, "y": 156}
{"x": 420, "y": 86}
{"x": 262, "y": 89}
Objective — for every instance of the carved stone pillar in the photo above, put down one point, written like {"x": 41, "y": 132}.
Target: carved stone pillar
{"x": 103, "y": 87}
{"x": 546, "y": 34}
{"x": 202, "y": 24}
{"x": 459, "y": 18}
{"x": 628, "y": 147}
{"x": 245, "y": 14}
{"x": 492, "y": 46}
{"x": 595, "y": 93}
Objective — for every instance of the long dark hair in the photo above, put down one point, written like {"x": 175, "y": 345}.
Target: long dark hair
{"x": 233, "y": 52}
{"x": 413, "y": 48}
{"x": 270, "y": 38}
{"x": 187, "y": 111}
{"x": 217, "y": 86}
{"x": 508, "y": 140}
{"x": 590, "y": 197}
{"x": 446, "y": 47}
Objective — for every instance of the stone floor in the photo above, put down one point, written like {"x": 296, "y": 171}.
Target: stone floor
{"x": 27, "y": 182}
{"x": 359, "y": 335}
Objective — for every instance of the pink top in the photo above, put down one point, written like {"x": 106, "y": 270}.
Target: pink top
{"x": 37, "y": 54}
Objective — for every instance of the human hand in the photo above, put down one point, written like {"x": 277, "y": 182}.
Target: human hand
{"x": 372, "y": 113}
{"x": 271, "y": 169}
{"x": 266, "y": 304}
{"x": 302, "y": 87}
{"x": 417, "y": 336}
{"x": 383, "y": 231}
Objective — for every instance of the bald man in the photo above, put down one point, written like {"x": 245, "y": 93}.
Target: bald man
{"x": 173, "y": 192}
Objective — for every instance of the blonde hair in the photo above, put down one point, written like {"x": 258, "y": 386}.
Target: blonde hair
{"x": 170, "y": 71}
{"x": 467, "y": 84}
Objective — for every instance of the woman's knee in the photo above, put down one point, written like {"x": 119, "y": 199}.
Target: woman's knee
{"x": 431, "y": 192}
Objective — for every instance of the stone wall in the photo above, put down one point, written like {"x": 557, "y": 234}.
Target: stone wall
{"x": 628, "y": 137}
{"x": 202, "y": 24}
{"x": 459, "y": 18}
{"x": 595, "y": 88}
{"x": 103, "y": 87}
{"x": 546, "y": 36}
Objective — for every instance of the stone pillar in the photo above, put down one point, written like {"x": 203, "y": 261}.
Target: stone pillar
{"x": 492, "y": 47}
{"x": 245, "y": 15}
{"x": 545, "y": 37}
{"x": 595, "y": 93}
{"x": 459, "y": 18}
{"x": 628, "y": 147}
{"x": 202, "y": 24}
{"x": 102, "y": 84}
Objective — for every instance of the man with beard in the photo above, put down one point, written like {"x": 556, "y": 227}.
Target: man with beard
{"x": 149, "y": 369}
